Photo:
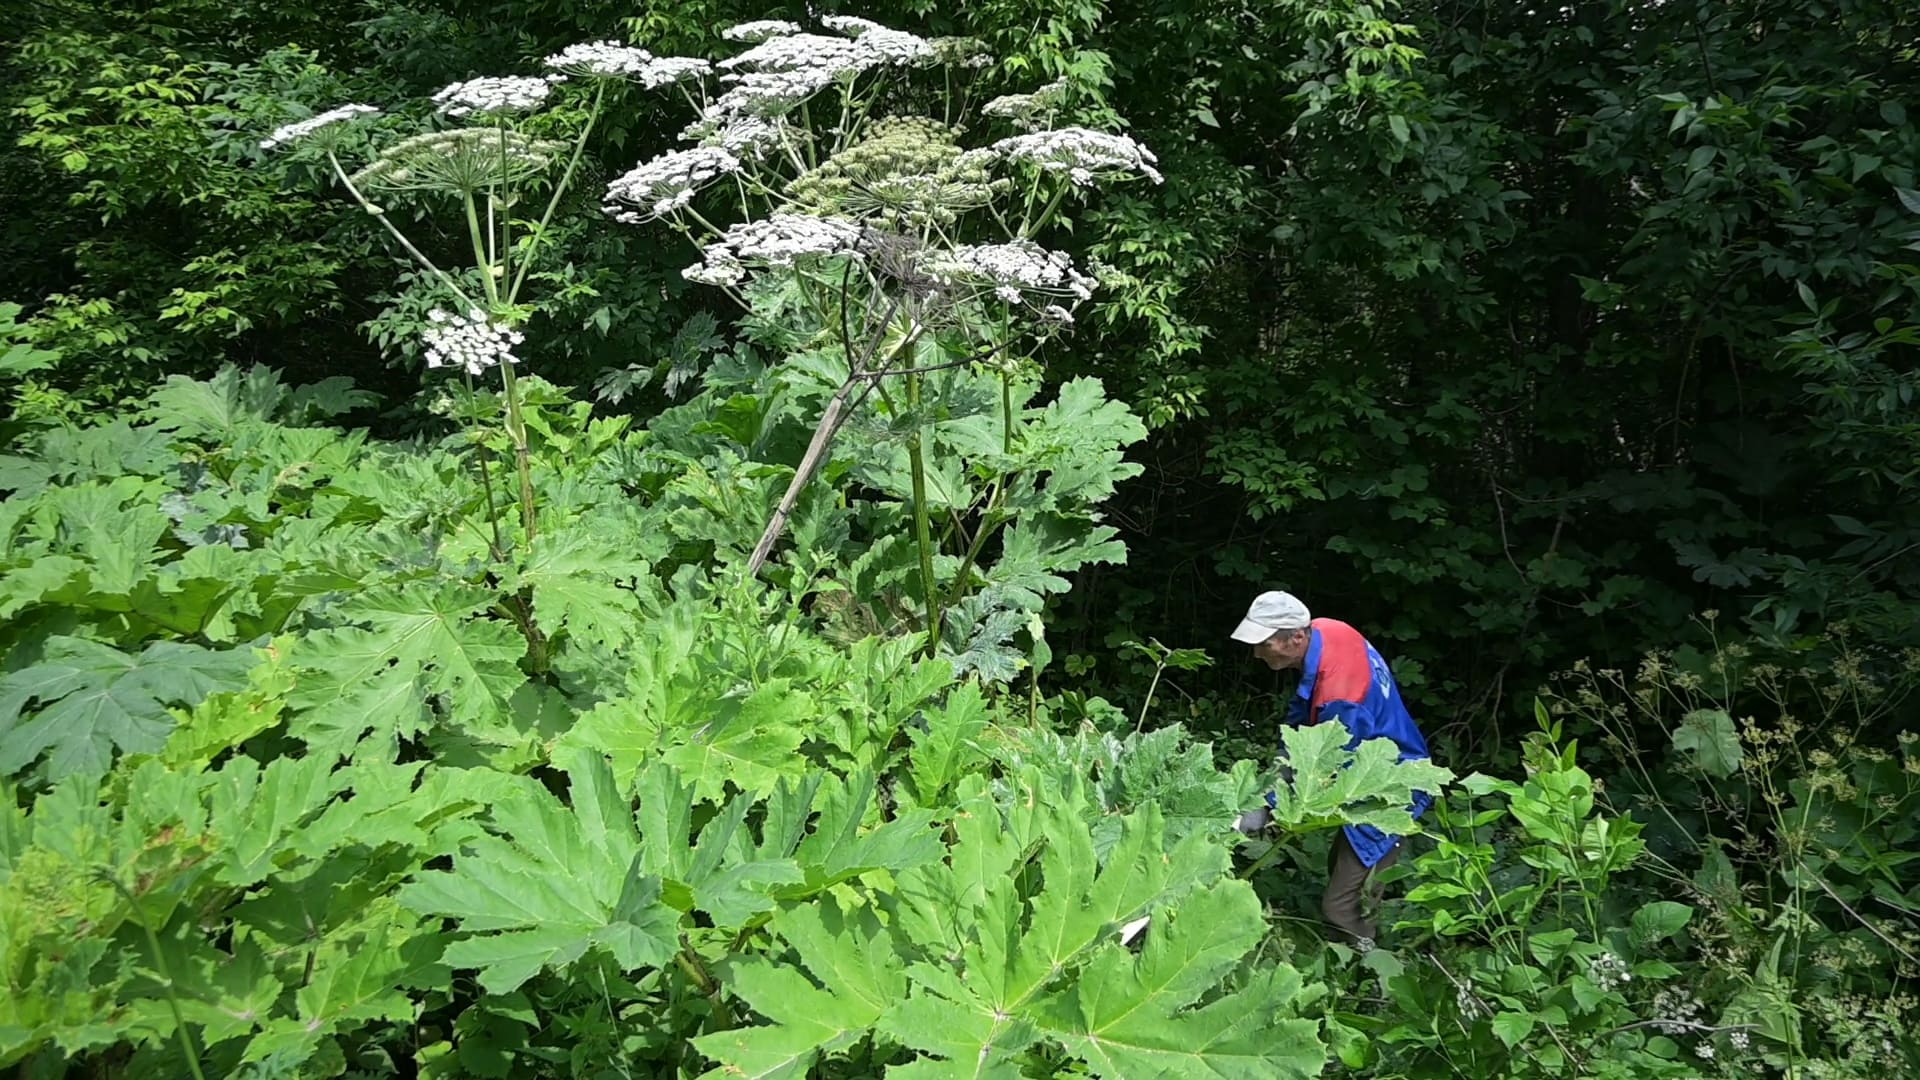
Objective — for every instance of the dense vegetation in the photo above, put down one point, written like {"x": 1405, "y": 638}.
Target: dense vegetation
{"x": 447, "y": 634}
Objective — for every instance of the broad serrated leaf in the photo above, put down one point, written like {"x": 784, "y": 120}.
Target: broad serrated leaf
{"x": 859, "y": 976}
{"x": 584, "y": 585}
{"x": 548, "y": 883}
{"x": 751, "y": 741}
{"x": 95, "y": 699}
{"x": 1709, "y": 738}
{"x": 1368, "y": 785}
{"x": 417, "y": 642}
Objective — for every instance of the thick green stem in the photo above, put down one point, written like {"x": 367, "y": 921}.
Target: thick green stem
{"x": 922, "y": 524}
{"x": 166, "y": 977}
{"x": 381, "y": 215}
{"x": 516, "y": 424}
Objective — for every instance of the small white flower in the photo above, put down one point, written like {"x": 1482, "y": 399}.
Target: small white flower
{"x": 667, "y": 183}
{"x": 1739, "y": 1039}
{"x": 1082, "y": 154}
{"x": 779, "y": 240}
{"x": 470, "y": 342}
{"x": 492, "y": 94}
{"x": 1608, "y": 972}
{"x": 1056, "y": 314}
{"x": 605, "y": 58}
{"x": 759, "y": 30}
{"x": 302, "y": 128}
{"x": 1705, "y": 1050}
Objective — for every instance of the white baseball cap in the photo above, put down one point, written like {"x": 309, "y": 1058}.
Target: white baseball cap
{"x": 1271, "y": 613}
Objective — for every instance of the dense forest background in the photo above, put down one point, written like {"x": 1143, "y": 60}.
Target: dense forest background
{"x": 1514, "y": 336}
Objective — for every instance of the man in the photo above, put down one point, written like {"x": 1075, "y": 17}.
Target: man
{"x": 1342, "y": 677}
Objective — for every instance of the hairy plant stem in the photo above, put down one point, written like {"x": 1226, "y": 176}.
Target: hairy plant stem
{"x": 516, "y": 423}
{"x": 166, "y": 977}
{"x": 380, "y": 215}
{"x": 922, "y": 524}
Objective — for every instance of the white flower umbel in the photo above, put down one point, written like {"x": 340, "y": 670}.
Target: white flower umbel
{"x": 760, "y": 30}
{"x": 496, "y": 94}
{"x": 470, "y": 342}
{"x": 667, "y": 183}
{"x": 850, "y": 25}
{"x": 667, "y": 70}
{"x": 1083, "y": 155}
{"x": 748, "y": 138}
{"x": 1017, "y": 271}
{"x": 300, "y": 129}
{"x": 766, "y": 94}
{"x": 802, "y": 52}
{"x": 607, "y": 59}
{"x": 780, "y": 240}
{"x": 1028, "y": 111}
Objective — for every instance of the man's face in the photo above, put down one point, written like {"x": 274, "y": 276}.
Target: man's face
{"x": 1285, "y": 649}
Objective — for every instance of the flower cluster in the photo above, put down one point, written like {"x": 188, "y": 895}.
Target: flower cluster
{"x": 760, "y": 30}
{"x": 904, "y": 169}
{"x": 471, "y": 342}
{"x": 1028, "y": 112}
{"x": 667, "y": 183}
{"x": 609, "y": 59}
{"x": 496, "y": 94}
{"x": 302, "y": 128}
{"x": 1608, "y": 972}
{"x": 1679, "y": 1010}
{"x": 667, "y": 70}
{"x": 1082, "y": 154}
{"x": 748, "y": 138}
{"x": 779, "y": 240}
{"x": 1013, "y": 270}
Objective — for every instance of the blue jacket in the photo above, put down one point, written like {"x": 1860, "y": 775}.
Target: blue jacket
{"x": 1345, "y": 678}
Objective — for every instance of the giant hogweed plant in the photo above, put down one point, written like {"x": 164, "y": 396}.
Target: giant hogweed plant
{"x": 892, "y": 252}
{"x": 884, "y": 251}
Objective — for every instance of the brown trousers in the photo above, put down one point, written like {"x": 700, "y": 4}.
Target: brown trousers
{"x": 1347, "y": 880}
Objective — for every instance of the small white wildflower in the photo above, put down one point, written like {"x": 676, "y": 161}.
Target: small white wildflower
{"x": 1739, "y": 1039}
{"x": 667, "y": 183}
{"x": 505, "y": 93}
{"x": 300, "y": 129}
{"x": 759, "y": 30}
{"x": 1705, "y": 1051}
{"x": 1082, "y": 154}
{"x": 1056, "y": 314}
{"x": 1608, "y": 972}
{"x": 605, "y": 58}
{"x": 470, "y": 342}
